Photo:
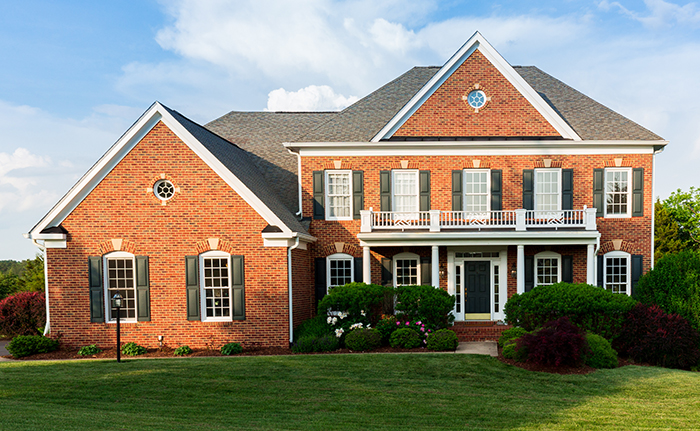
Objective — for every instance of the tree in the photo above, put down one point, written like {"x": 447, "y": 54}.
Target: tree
{"x": 8, "y": 284}
{"x": 667, "y": 236}
{"x": 677, "y": 223}
{"x": 32, "y": 279}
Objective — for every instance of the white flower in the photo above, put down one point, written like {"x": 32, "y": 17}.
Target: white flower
{"x": 329, "y": 319}
{"x": 334, "y": 320}
{"x": 342, "y": 315}
{"x": 362, "y": 312}
{"x": 339, "y": 332}
{"x": 356, "y": 325}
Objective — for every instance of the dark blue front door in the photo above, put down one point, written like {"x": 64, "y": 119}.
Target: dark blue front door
{"x": 477, "y": 283}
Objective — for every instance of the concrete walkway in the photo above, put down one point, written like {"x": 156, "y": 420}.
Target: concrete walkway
{"x": 478, "y": 348}
{"x": 3, "y": 350}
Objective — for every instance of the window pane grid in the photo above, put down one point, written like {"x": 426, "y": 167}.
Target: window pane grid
{"x": 617, "y": 192}
{"x": 476, "y": 191}
{"x": 547, "y": 271}
{"x": 405, "y": 191}
{"x": 339, "y": 196}
{"x": 616, "y": 274}
{"x": 406, "y": 272}
{"x": 217, "y": 290}
{"x": 458, "y": 289}
{"x": 341, "y": 272}
{"x": 496, "y": 283}
{"x": 120, "y": 279}
{"x": 547, "y": 197}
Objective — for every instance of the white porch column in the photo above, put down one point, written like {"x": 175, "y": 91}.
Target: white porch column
{"x": 435, "y": 267}
{"x": 590, "y": 265}
{"x": 521, "y": 269}
{"x": 366, "y": 271}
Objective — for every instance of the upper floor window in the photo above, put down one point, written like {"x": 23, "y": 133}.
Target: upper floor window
{"x": 405, "y": 190}
{"x": 340, "y": 269}
{"x": 120, "y": 277}
{"x": 547, "y": 189}
{"x": 617, "y": 192}
{"x": 477, "y": 185}
{"x": 339, "y": 195}
{"x": 547, "y": 268}
{"x": 617, "y": 270}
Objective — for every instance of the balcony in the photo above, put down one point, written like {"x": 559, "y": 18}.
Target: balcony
{"x": 518, "y": 220}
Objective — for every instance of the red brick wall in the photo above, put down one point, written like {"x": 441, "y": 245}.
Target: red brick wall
{"x": 304, "y": 301}
{"x": 123, "y": 207}
{"x": 445, "y": 113}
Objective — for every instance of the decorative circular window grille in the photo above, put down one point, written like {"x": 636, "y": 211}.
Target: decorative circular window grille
{"x": 476, "y": 99}
{"x": 164, "y": 190}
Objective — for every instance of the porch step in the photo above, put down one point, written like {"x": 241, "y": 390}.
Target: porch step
{"x": 478, "y": 331}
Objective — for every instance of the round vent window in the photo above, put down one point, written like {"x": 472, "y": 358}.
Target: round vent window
{"x": 164, "y": 190}
{"x": 476, "y": 99}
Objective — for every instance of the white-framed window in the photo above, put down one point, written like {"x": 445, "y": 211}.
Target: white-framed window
{"x": 406, "y": 269}
{"x": 548, "y": 189}
{"x": 617, "y": 272}
{"x": 547, "y": 268}
{"x": 338, "y": 195}
{"x": 339, "y": 269}
{"x": 618, "y": 192}
{"x": 477, "y": 190}
{"x": 120, "y": 276}
{"x": 215, "y": 285}
{"x": 404, "y": 186}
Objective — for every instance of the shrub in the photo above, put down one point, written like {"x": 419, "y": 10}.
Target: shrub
{"x": 25, "y": 345}
{"x": 443, "y": 339}
{"x": 653, "y": 336}
{"x": 361, "y": 302}
{"x": 182, "y": 351}
{"x": 386, "y": 327}
{"x": 23, "y": 314}
{"x": 511, "y": 334}
{"x": 133, "y": 349}
{"x": 511, "y": 350}
{"x": 316, "y": 326}
{"x": 674, "y": 285}
{"x": 304, "y": 344}
{"x": 231, "y": 349}
{"x": 90, "y": 350}
{"x": 558, "y": 343}
{"x": 425, "y": 303}
{"x": 312, "y": 343}
{"x": 589, "y": 307}
{"x": 601, "y": 354}
{"x": 406, "y": 338}
{"x": 362, "y": 340}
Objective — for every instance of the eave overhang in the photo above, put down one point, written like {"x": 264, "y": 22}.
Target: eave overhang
{"x": 479, "y": 238}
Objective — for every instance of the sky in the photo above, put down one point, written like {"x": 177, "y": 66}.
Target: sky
{"x": 74, "y": 75}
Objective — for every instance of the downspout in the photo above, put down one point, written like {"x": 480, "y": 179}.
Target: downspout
{"x": 298, "y": 213}
{"x": 47, "y": 327}
{"x": 653, "y": 202}
{"x": 289, "y": 277}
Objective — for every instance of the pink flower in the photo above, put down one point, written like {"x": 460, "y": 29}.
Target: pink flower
{"x": 418, "y": 322}
{"x": 422, "y": 329}
{"x": 408, "y": 323}
{"x": 398, "y": 323}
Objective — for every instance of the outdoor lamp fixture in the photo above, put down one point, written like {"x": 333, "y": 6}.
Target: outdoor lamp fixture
{"x": 117, "y": 303}
{"x": 443, "y": 271}
{"x": 513, "y": 271}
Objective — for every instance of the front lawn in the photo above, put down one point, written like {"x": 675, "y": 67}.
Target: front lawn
{"x": 329, "y": 392}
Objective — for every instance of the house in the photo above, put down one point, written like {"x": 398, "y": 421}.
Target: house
{"x": 476, "y": 177}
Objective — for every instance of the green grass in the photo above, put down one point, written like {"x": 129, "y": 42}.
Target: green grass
{"x": 332, "y": 392}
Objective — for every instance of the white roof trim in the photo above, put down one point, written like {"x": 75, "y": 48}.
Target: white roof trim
{"x": 124, "y": 145}
{"x": 477, "y": 41}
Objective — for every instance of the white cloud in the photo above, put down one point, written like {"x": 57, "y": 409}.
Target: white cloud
{"x": 661, "y": 13}
{"x": 311, "y": 98}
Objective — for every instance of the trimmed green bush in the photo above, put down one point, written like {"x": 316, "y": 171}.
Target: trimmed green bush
{"x": 601, "y": 354}
{"x": 231, "y": 349}
{"x": 426, "y": 304}
{"x": 182, "y": 351}
{"x": 316, "y": 326}
{"x": 512, "y": 351}
{"x": 312, "y": 343}
{"x": 405, "y": 338}
{"x": 588, "y": 307}
{"x": 363, "y": 340}
{"x": 510, "y": 334}
{"x": 674, "y": 285}
{"x": 133, "y": 349}
{"x": 387, "y": 326}
{"x": 443, "y": 339}
{"x": 25, "y": 345}
{"x": 362, "y": 302}
{"x": 90, "y": 350}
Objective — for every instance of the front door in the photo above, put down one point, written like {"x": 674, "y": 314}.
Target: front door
{"x": 477, "y": 286}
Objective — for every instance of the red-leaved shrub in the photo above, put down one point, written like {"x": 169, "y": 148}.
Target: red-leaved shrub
{"x": 558, "y": 343}
{"x": 22, "y": 314}
{"x": 651, "y": 335}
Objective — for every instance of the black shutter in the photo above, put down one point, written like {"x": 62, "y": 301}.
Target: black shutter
{"x": 358, "y": 271}
{"x": 599, "y": 191}
{"x": 143, "y": 291}
{"x": 567, "y": 269}
{"x": 637, "y": 192}
{"x": 424, "y": 182}
{"x": 319, "y": 200}
{"x": 600, "y": 270}
{"x": 385, "y": 190}
{"x": 192, "y": 283}
{"x": 425, "y": 271}
{"x": 320, "y": 278}
{"x": 637, "y": 269}
{"x": 529, "y": 273}
{"x": 387, "y": 272}
{"x": 358, "y": 193}
{"x": 529, "y": 189}
{"x": 238, "y": 287}
{"x": 97, "y": 314}
{"x": 567, "y": 189}
{"x": 496, "y": 190}
{"x": 457, "y": 191}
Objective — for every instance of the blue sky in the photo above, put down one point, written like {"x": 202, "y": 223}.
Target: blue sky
{"x": 75, "y": 75}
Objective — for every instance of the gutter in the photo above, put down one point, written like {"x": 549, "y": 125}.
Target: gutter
{"x": 289, "y": 290}
{"x": 653, "y": 202}
{"x": 298, "y": 213}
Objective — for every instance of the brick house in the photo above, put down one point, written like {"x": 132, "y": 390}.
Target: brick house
{"x": 476, "y": 177}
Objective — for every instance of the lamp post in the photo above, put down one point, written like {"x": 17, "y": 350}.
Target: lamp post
{"x": 117, "y": 303}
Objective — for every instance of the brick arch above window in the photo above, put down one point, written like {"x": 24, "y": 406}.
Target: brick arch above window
{"x": 117, "y": 244}
{"x": 341, "y": 247}
{"x": 616, "y": 245}
{"x": 211, "y": 244}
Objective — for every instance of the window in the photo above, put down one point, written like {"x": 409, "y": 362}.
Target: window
{"x": 339, "y": 195}
{"x": 406, "y": 269}
{"x": 477, "y": 184}
{"x": 405, "y": 191}
{"x": 164, "y": 190}
{"x": 215, "y": 279}
{"x": 547, "y": 189}
{"x": 547, "y": 268}
{"x": 617, "y": 192}
{"x": 617, "y": 272}
{"x": 120, "y": 277}
{"x": 340, "y": 269}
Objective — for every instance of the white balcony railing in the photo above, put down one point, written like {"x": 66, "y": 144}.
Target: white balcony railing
{"x": 519, "y": 220}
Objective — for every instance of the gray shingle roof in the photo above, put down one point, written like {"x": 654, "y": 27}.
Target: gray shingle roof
{"x": 240, "y": 164}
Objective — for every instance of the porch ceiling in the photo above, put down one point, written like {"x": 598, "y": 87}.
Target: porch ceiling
{"x": 413, "y": 238}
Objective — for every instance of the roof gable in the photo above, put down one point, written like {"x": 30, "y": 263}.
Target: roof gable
{"x": 474, "y": 61}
